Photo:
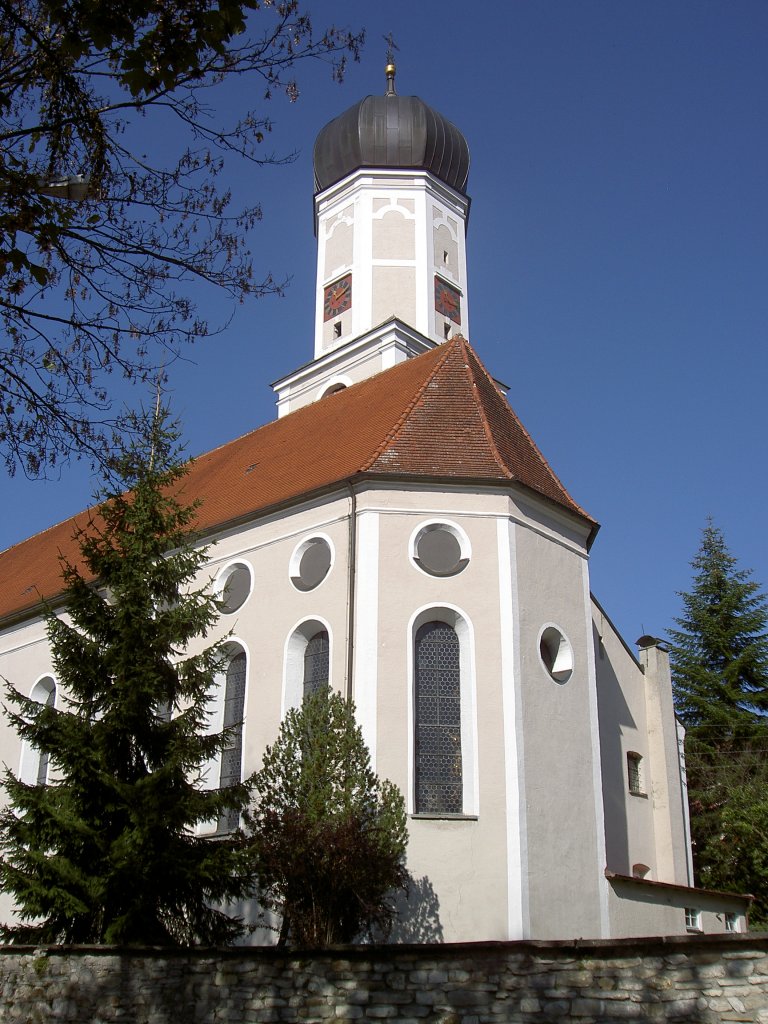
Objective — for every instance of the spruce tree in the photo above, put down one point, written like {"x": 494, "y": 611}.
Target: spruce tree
{"x": 329, "y": 837}
{"x": 107, "y": 851}
{"x": 720, "y": 650}
{"x": 719, "y": 656}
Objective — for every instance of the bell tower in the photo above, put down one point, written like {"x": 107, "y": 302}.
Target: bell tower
{"x": 391, "y": 212}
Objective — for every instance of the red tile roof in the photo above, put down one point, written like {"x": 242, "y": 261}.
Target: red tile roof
{"x": 437, "y": 416}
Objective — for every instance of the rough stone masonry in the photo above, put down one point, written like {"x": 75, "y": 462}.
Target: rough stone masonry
{"x": 706, "y": 979}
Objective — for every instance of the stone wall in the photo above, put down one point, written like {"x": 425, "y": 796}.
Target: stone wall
{"x": 707, "y": 980}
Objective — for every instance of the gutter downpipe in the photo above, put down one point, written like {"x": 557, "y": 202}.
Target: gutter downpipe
{"x": 351, "y": 581}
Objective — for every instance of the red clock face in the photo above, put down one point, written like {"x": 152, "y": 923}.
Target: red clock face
{"x": 447, "y": 300}
{"x": 337, "y": 297}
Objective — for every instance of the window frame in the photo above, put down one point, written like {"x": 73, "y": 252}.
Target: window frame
{"x": 456, "y": 531}
{"x": 293, "y": 659}
{"x": 692, "y": 919}
{"x": 453, "y": 616}
{"x": 222, "y": 578}
{"x": 635, "y": 773}
{"x": 30, "y": 758}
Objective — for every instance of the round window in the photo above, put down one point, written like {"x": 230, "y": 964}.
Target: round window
{"x": 311, "y": 563}
{"x": 234, "y": 587}
{"x": 556, "y": 654}
{"x": 438, "y": 550}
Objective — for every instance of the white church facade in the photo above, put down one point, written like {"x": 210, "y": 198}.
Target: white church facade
{"x": 397, "y": 533}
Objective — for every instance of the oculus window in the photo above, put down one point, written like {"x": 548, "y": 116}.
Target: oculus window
{"x": 556, "y": 654}
{"x": 440, "y": 549}
{"x": 234, "y": 587}
{"x": 311, "y": 563}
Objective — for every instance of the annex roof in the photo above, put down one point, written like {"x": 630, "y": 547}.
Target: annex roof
{"x": 438, "y": 416}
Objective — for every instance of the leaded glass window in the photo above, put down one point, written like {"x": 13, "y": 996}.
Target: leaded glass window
{"x": 316, "y": 668}
{"x": 44, "y": 761}
{"x": 232, "y": 754}
{"x": 439, "y": 787}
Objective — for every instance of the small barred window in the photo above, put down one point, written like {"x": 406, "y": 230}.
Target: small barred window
{"x": 634, "y": 773}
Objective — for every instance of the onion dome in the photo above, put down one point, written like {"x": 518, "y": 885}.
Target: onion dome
{"x": 391, "y": 131}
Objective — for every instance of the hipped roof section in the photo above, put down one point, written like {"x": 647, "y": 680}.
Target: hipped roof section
{"x": 438, "y": 416}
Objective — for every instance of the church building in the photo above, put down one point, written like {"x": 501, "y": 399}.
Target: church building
{"x": 396, "y": 532}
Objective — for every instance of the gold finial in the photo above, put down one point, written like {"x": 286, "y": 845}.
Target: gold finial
{"x": 390, "y": 68}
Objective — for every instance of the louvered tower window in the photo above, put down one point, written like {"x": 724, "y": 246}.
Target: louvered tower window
{"x": 316, "y": 667}
{"x": 232, "y": 755}
{"x": 439, "y": 787}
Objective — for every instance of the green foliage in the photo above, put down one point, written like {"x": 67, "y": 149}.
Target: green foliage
{"x": 719, "y": 657}
{"x": 110, "y": 280}
{"x": 329, "y": 837}
{"x": 106, "y": 851}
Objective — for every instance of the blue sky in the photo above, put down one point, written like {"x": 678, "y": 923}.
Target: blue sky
{"x": 618, "y": 261}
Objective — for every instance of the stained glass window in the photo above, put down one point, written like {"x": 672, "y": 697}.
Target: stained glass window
{"x": 316, "y": 668}
{"x": 232, "y": 755}
{"x": 438, "y": 720}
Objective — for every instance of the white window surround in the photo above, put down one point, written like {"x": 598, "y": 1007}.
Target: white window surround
{"x": 458, "y": 619}
{"x": 635, "y": 771}
{"x": 223, "y": 576}
{"x": 294, "y": 564}
{"x": 210, "y": 773}
{"x": 336, "y": 383}
{"x": 692, "y": 919}
{"x": 29, "y": 761}
{"x": 451, "y": 527}
{"x": 293, "y": 659}
{"x": 561, "y": 651}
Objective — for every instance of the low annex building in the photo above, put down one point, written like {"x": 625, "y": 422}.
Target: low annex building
{"x": 396, "y": 533}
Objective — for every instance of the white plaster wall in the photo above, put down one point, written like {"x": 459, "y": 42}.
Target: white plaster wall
{"x": 629, "y": 819}
{"x": 565, "y": 837}
{"x": 390, "y": 230}
{"x": 461, "y": 861}
{"x": 638, "y": 910}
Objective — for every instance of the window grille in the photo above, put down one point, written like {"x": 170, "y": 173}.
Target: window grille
{"x": 731, "y": 922}
{"x": 438, "y": 773}
{"x": 232, "y": 755}
{"x": 316, "y": 666}
{"x": 634, "y": 774}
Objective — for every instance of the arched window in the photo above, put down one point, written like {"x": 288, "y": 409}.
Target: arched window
{"x": 46, "y": 696}
{"x": 308, "y": 661}
{"x": 437, "y": 747}
{"x": 316, "y": 663}
{"x": 35, "y": 763}
{"x": 232, "y": 754}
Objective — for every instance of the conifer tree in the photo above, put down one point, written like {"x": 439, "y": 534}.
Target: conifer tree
{"x": 719, "y": 657}
{"x": 720, "y": 651}
{"x": 329, "y": 837}
{"x": 106, "y": 851}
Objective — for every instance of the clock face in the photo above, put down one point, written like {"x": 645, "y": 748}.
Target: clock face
{"x": 337, "y": 297}
{"x": 447, "y": 300}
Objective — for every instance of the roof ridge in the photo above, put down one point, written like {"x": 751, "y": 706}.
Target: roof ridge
{"x": 534, "y": 447}
{"x": 398, "y": 427}
{"x": 468, "y": 352}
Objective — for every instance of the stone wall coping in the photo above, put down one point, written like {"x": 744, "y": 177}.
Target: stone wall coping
{"x": 604, "y": 948}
